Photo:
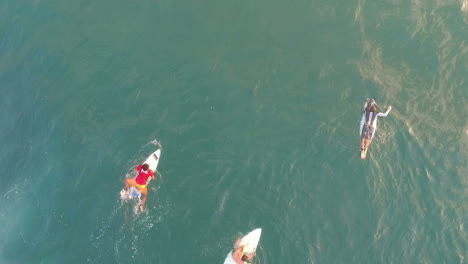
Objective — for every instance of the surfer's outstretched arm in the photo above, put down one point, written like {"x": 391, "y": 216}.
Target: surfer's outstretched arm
{"x": 386, "y": 112}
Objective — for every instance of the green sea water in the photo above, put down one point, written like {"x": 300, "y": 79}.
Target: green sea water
{"x": 256, "y": 105}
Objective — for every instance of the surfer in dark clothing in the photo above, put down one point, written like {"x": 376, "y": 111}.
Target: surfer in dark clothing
{"x": 370, "y": 123}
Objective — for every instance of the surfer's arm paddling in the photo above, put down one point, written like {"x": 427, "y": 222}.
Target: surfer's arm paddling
{"x": 386, "y": 112}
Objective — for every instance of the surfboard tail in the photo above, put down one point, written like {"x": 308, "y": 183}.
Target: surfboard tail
{"x": 363, "y": 154}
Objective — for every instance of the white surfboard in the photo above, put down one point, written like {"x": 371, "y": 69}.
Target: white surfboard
{"x": 250, "y": 241}
{"x": 152, "y": 161}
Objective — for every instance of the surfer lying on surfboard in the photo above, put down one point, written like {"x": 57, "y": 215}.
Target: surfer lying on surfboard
{"x": 144, "y": 172}
{"x": 244, "y": 249}
{"x": 238, "y": 253}
{"x": 369, "y": 124}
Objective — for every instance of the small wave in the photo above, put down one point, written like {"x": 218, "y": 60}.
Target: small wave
{"x": 156, "y": 143}
{"x": 14, "y": 189}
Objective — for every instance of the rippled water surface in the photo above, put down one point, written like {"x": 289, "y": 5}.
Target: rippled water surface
{"x": 257, "y": 106}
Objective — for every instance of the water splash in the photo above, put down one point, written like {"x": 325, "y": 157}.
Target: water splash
{"x": 156, "y": 143}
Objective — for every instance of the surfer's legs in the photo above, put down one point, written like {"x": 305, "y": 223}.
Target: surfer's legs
{"x": 131, "y": 182}
{"x": 143, "y": 189}
{"x": 143, "y": 201}
{"x": 367, "y": 143}
{"x": 366, "y": 136}
{"x": 127, "y": 185}
{"x": 363, "y": 144}
{"x": 144, "y": 194}
{"x": 367, "y": 131}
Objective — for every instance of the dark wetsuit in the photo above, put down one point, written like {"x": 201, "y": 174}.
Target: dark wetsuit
{"x": 368, "y": 128}
{"x": 371, "y": 122}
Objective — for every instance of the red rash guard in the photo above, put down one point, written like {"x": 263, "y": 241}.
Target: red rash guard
{"x": 143, "y": 175}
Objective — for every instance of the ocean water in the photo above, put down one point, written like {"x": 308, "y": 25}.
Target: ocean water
{"x": 256, "y": 105}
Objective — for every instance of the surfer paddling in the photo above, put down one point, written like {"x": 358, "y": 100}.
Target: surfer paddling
{"x": 238, "y": 253}
{"x": 369, "y": 124}
{"x": 244, "y": 248}
{"x": 140, "y": 182}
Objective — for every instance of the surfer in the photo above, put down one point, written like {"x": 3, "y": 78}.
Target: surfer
{"x": 144, "y": 172}
{"x": 370, "y": 123}
{"x": 238, "y": 253}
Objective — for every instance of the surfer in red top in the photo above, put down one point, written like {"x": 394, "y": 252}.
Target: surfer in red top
{"x": 140, "y": 182}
